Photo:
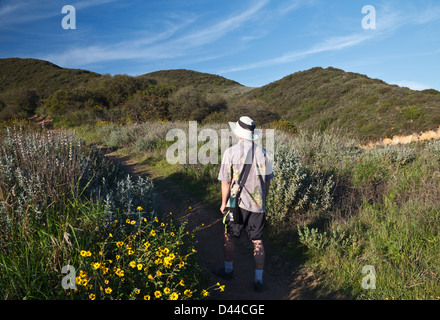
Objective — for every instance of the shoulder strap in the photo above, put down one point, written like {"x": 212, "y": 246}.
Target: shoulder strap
{"x": 246, "y": 168}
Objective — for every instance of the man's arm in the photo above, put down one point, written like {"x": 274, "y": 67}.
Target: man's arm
{"x": 225, "y": 195}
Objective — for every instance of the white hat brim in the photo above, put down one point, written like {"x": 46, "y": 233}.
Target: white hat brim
{"x": 243, "y": 133}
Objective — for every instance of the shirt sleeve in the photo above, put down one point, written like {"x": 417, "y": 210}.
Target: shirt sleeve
{"x": 225, "y": 173}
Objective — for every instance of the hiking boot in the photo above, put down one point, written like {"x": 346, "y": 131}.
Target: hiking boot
{"x": 258, "y": 286}
{"x": 222, "y": 273}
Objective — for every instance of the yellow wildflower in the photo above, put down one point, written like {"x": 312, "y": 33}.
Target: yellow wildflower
{"x": 140, "y": 208}
{"x": 137, "y": 291}
{"x": 108, "y": 290}
{"x": 158, "y": 273}
{"x": 150, "y": 277}
{"x": 153, "y": 233}
{"x": 130, "y": 252}
{"x": 133, "y": 222}
{"x": 205, "y": 293}
{"x": 119, "y": 244}
{"x": 188, "y": 293}
{"x": 174, "y": 296}
{"x": 182, "y": 283}
{"x": 139, "y": 266}
{"x": 147, "y": 297}
{"x": 132, "y": 264}
{"x": 119, "y": 272}
{"x": 83, "y": 253}
{"x": 157, "y": 294}
{"x": 167, "y": 290}
{"x": 96, "y": 265}
{"x": 92, "y": 296}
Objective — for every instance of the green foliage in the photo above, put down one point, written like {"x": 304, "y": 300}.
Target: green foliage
{"x": 145, "y": 107}
{"x": 284, "y": 126}
{"x": 315, "y": 240}
{"x": 412, "y": 112}
{"x": 189, "y": 104}
{"x": 295, "y": 189}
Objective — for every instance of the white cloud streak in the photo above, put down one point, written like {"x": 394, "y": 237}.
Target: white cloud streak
{"x": 390, "y": 21}
{"x": 161, "y": 46}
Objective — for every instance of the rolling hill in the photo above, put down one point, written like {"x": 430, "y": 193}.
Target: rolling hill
{"x": 323, "y": 98}
{"x": 316, "y": 99}
{"x": 41, "y": 76}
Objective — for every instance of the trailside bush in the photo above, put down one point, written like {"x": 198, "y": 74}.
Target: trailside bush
{"x": 295, "y": 189}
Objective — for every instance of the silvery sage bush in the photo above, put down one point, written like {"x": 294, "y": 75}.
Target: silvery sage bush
{"x": 40, "y": 169}
{"x": 295, "y": 189}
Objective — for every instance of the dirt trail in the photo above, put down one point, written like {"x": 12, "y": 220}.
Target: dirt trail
{"x": 283, "y": 281}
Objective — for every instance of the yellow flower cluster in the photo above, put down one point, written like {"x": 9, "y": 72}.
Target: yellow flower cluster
{"x": 145, "y": 263}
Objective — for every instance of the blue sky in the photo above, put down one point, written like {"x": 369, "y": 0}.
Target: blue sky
{"x": 253, "y": 42}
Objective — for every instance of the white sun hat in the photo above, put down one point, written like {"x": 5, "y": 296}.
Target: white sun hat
{"x": 245, "y": 128}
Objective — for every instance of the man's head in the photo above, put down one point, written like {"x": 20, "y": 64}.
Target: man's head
{"x": 244, "y": 128}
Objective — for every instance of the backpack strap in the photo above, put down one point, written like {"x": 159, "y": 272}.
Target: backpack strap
{"x": 246, "y": 169}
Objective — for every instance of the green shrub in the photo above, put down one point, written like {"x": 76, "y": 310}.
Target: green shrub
{"x": 285, "y": 126}
{"x": 295, "y": 189}
{"x": 412, "y": 112}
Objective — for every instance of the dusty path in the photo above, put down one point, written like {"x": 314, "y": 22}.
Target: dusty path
{"x": 283, "y": 281}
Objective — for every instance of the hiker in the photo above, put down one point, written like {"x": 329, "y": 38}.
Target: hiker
{"x": 246, "y": 164}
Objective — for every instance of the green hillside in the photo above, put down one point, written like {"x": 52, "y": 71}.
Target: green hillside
{"x": 182, "y": 78}
{"x": 40, "y": 75}
{"x": 316, "y": 99}
{"x": 370, "y": 108}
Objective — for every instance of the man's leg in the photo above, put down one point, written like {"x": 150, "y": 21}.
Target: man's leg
{"x": 228, "y": 252}
{"x": 259, "y": 256}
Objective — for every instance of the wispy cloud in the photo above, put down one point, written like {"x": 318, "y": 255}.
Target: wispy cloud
{"x": 222, "y": 27}
{"x": 389, "y": 21}
{"x": 330, "y": 44}
{"x": 165, "y": 45}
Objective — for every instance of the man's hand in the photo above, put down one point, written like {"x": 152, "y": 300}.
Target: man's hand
{"x": 225, "y": 195}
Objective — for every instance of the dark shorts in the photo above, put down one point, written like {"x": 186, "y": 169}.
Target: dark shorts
{"x": 252, "y": 222}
